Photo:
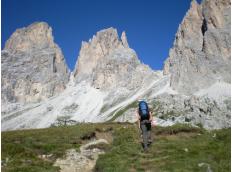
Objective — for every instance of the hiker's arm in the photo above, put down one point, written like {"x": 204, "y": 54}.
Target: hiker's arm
{"x": 139, "y": 124}
{"x": 151, "y": 117}
{"x": 138, "y": 118}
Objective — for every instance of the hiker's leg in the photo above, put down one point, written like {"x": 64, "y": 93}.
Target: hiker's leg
{"x": 149, "y": 132}
{"x": 145, "y": 136}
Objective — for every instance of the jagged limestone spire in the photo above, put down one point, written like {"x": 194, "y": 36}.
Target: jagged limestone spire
{"x": 41, "y": 68}
{"x": 124, "y": 40}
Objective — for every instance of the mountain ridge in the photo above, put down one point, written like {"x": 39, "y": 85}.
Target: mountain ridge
{"x": 109, "y": 78}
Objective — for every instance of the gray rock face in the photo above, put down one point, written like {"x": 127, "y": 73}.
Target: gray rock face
{"x": 121, "y": 68}
{"x": 201, "y": 52}
{"x": 33, "y": 66}
{"x": 194, "y": 110}
{"x": 99, "y": 46}
{"x": 84, "y": 160}
{"x": 107, "y": 62}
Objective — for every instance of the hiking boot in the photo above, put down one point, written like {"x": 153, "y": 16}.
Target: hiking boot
{"x": 145, "y": 150}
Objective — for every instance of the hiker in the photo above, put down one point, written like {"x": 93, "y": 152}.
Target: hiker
{"x": 144, "y": 121}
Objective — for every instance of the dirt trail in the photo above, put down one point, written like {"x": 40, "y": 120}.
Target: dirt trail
{"x": 86, "y": 158}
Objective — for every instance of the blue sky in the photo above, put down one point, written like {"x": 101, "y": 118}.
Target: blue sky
{"x": 150, "y": 25}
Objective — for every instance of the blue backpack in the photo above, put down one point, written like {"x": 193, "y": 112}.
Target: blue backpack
{"x": 143, "y": 110}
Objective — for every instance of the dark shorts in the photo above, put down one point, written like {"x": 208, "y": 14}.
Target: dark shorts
{"x": 147, "y": 124}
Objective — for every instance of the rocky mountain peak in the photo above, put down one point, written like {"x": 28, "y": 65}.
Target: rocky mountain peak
{"x": 201, "y": 52}
{"x": 102, "y": 44}
{"x": 189, "y": 33}
{"x": 107, "y": 62}
{"x": 33, "y": 66}
{"x": 36, "y": 36}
